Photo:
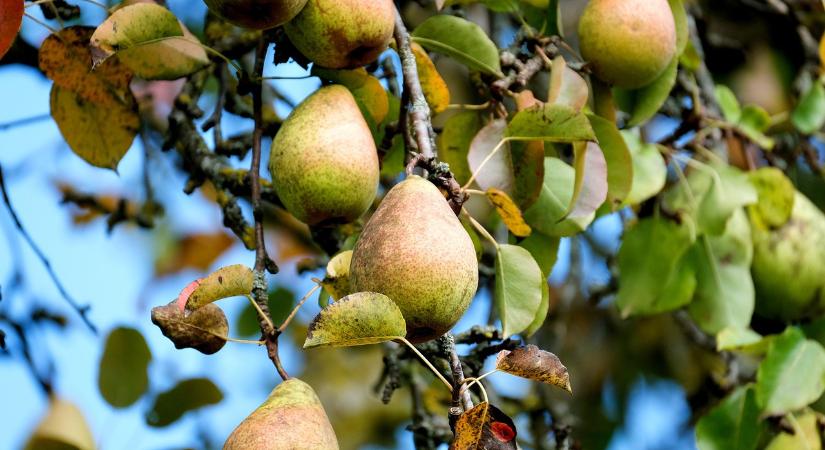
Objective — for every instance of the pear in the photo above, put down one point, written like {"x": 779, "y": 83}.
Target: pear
{"x": 789, "y": 264}
{"x": 627, "y": 42}
{"x": 291, "y": 418}
{"x": 256, "y": 14}
{"x": 342, "y": 33}
{"x": 415, "y": 251}
{"x": 62, "y": 427}
{"x": 323, "y": 160}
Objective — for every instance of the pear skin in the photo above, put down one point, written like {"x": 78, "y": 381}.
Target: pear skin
{"x": 256, "y": 14}
{"x": 627, "y": 42}
{"x": 63, "y": 426}
{"x": 291, "y": 418}
{"x": 789, "y": 264}
{"x": 323, "y": 161}
{"x": 415, "y": 251}
{"x": 342, "y": 33}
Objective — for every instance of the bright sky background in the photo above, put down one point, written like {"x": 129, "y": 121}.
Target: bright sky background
{"x": 113, "y": 274}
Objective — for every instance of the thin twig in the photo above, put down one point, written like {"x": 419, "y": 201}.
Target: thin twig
{"x": 25, "y": 121}
{"x": 459, "y": 396}
{"x": 297, "y": 307}
{"x": 82, "y": 310}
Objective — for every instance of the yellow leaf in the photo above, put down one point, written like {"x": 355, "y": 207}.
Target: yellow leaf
{"x": 509, "y": 212}
{"x": 366, "y": 89}
{"x": 336, "y": 281}
{"x": 434, "y": 87}
{"x": 195, "y": 251}
{"x": 822, "y": 52}
{"x": 225, "y": 282}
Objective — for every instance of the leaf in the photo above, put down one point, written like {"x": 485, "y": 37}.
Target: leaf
{"x": 547, "y": 214}
{"x": 454, "y": 142}
{"x": 123, "y": 375}
{"x": 99, "y": 133}
{"x": 508, "y": 211}
{"x": 187, "y": 395}
{"x": 738, "y": 338}
{"x": 434, "y": 87}
{"x": 484, "y": 427}
{"x": 197, "y": 251}
{"x": 150, "y": 40}
{"x": 775, "y": 193}
{"x": 205, "y": 329}
{"x": 336, "y": 281}
{"x": 228, "y": 281}
{"x": 680, "y": 18}
{"x": 728, "y": 103}
{"x": 518, "y": 293}
{"x": 791, "y": 375}
{"x": 544, "y": 249}
{"x": 618, "y": 158}
{"x": 541, "y": 312}
{"x": 370, "y": 96}
{"x": 808, "y": 117}
{"x": 567, "y": 87}
{"x": 590, "y": 185}
{"x": 753, "y": 123}
{"x": 357, "y": 319}
{"x": 528, "y": 160}
{"x": 534, "y": 364}
{"x": 550, "y": 123}
{"x": 460, "y": 39}
{"x": 652, "y": 278}
{"x": 649, "y": 169}
{"x": 733, "y": 424}
{"x": 11, "y": 17}
{"x": 63, "y": 427}
{"x": 497, "y": 172}
{"x": 644, "y": 103}
{"x": 805, "y": 436}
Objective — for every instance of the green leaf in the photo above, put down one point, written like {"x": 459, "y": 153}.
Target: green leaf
{"x": 644, "y": 103}
{"x": 792, "y": 375}
{"x": 187, "y": 395}
{"x": 150, "y": 40}
{"x": 459, "y": 39}
{"x": 728, "y": 103}
{"x": 541, "y": 312}
{"x": 229, "y": 281}
{"x": 497, "y": 170}
{"x": 654, "y": 278}
{"x": 775, "y": 193}
{"x": 753, "y": 123}
{"x": 518, "y": 292}
{"x": 742, "y": 339}
{"x": 733, "y": 424}
{"x": 357, "y": 319}
{"x": 805, "y": 436}
{"x": 547, "y": 214}
{"x": 550, "y": 123}
{"x": 680, "y": 18}
{"x": 619, "y": 160}
{"x": 535, "y": 364}
{"x": 123, "y": 376}
{"x": 649, "y": 169}
{"x": 809, "y": 116}
{"x": 336, "y": 280}
{"x": 554, "y": 19}
{"x": 545, "y": 250}
{"x": 454, "y": 142}
{"x": 590, "y": 184}
{"x": 567, "y": 87}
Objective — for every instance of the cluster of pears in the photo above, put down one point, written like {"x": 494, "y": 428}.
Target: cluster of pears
{"x": 331, "y": 33}
{"x": 628, "y": 43}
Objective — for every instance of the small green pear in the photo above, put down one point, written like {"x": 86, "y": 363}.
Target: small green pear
{"x": 323, "y": 160}
{"x": 256, "y": 14}
{"x": 789, "y": 264}
{"x": 415, "y": 251}
{"x": 342, "y": 33}
{"x": 627, "y": 42}
{"x": 62, "y": 427}
{"x": 291, "y": 418}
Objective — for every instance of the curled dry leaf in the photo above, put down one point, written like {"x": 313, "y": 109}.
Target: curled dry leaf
{"x": 484, "y": 427}
{"x": 535, "y": 364}
{"x": 509, "y": 212}
{"x": 11, "y": 16}
{"x": 357, "y": 319}
{"x": 336, "y": 281}
{"x": 205, "y": 329}
{"x": 225, "y": 282}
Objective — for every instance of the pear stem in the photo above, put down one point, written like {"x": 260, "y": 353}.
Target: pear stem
{"x": 481, "y": 230}
{"x": 297, "y": 307}
{"x": 427, "y": 363}
{"x": 484, "y": 162}
{"x": 469, "y": 382}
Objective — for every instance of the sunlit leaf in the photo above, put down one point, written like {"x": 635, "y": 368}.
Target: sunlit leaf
{"x": 649, "y": 169}
{"x": 228, "y": 281}
{"x": 123, "y": 376}
{"x": 809, "y": 116}
{"x": 336, "y": 281}
{"x": 547, "y": 214}
{"x": 508, "y": 211}
{"x": 792, "y": 375}
{"x": 618, "y": 158}
{"x": 518, "y": 294}
{"x": 534, "y": 364}
{"x": 550, "y": 123}
{"x": 357, "y": 319}
{"x": 434, "y": 87}
{"x": 733, "y": 424}
{"x": 484, "y": 427}
{"x": 205, "y": 329}
{"x": 187, "y": 395}
{"x": 728, "y": 103}
{"x": 367, "y": 90}
{"x": 775, "y": 193}
{"x": 63, "y": 427}
{"x": 805, "y": 436}
{"x": 460, "y": 39}
{"x": 736, "y": 338}
{"x": 11, "y": 17}
{"x": 567, "y": 87}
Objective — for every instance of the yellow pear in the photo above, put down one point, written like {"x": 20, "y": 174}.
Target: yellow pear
{"x": 415, "y": 251}
{"x": 63, "y": 426}
{"x": 323, "y": 161}
{"x": 256, "y": 14}
{"x": 291, "y": 418}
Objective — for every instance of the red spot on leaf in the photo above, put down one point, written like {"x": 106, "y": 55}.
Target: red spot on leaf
{"x": 502, "y": 431}
{"x": 184, "y": 295}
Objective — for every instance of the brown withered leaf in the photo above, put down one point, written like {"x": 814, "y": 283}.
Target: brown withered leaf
{"x": 535, "y": 364}
{"x": 509, "y": 212}
{"x": 484, "y": 427}
{"x": 196, "y": 251}
{"x": 205, "y": 329}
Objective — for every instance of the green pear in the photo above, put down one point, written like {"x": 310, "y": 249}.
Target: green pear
{"x": 627, "y": 42}
{"x": 789, "y": 264}
{"x": 61, "y": 428}
{"x": 291, "y": 418}
{"x": 256, "y": 14}
{"x": 342, "y": 33}
{"x": 415, "y": 251}
{"x": 323, "y": 161}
